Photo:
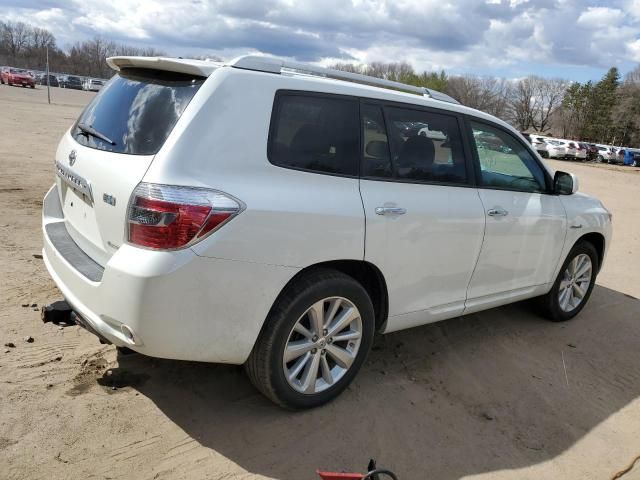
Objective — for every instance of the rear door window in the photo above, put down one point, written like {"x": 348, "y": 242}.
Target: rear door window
{"x": 424, "y": 146}
{"x": 318, "y": 133}
{"x": 136, "y": 110}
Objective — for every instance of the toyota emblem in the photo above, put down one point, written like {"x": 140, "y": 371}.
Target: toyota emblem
{"x": 72, "y": 158}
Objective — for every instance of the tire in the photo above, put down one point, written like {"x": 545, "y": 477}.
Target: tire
{"x": 550, "y": 304}
{"x": 266, "y": 365}
{"x": 599, "y": 159}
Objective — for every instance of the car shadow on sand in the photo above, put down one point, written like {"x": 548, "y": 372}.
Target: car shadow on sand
{"x": 496, "y": 390}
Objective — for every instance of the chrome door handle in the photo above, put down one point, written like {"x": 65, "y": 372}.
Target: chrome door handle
{"x": 497, "y": 212}
{"x": 390, "y": 211}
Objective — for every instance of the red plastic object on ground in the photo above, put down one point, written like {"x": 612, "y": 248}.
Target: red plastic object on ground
{"x": 339, "y": 476}
{"x": 373, "y": 473}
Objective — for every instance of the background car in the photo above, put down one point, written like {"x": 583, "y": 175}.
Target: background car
{"x": 92, "y": 84}
{"x": 633, "y": 157}
{"x": 570, "y": 149}
{"x": 592, "y": 152}
{"x": 604, "y": 153}
{"x": 42, "y": 80}
{"x": 581, "y": 151}
{"x": 556, "y": 149}
{"x": 71, "y": 81}
{"x": 17, "y": 76}
{"x": 540, "y": 145}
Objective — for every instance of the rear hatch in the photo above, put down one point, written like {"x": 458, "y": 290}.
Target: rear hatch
{"x": 106, "y": 153}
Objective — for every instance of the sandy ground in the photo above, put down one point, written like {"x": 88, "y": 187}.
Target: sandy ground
{"x": 502, "y": 394}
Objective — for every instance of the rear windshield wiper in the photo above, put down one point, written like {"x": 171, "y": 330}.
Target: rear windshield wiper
{"x": 89, "y": 130}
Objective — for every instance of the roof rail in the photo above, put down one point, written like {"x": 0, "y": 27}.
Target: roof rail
{"x": 276, "y": 65}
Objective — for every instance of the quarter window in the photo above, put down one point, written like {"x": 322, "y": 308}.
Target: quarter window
{"x": 424, "y": 147}
{"x": 315, "y": 133}
{"x": 505, "y": 162}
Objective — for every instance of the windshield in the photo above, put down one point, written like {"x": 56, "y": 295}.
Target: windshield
{"x": 136, "y": 109}
{"x": 17, "y": 70}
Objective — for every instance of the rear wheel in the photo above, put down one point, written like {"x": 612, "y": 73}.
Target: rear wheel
{"x": 573, "y": 286}
{"x": 314, "y": 341}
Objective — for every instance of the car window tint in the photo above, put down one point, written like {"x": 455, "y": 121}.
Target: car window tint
{"x": 376, "y": 157}
{"x": 505, "y": 162}
{"x": 425, "y": 146}
{"x": 137, "y": 110}
{"x": 316, "y": 133}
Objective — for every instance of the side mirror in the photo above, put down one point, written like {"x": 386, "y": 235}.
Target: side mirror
{"x": 565, "y": 183}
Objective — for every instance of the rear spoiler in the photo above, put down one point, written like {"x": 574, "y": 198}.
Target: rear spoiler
{"x": 202, "y": 68}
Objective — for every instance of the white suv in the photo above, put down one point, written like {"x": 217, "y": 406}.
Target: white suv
{"x": 540, "y": 145}
{"x": 278, "y": 214}
{"x": 606, "y": 153}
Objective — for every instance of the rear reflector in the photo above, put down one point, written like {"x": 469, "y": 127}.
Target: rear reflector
{"x": 166, "y": 217}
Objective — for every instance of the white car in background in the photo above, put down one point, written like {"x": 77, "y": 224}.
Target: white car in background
{"x": 539, "y": 143}
{"x": 581, "y": 150}
{"x": 93, "y": 84}
{"x": 570, "y": 149}
{"x": 169, "y": 233}
{"x": 432, "y": 134}
{"x": 556, "y": 149}
{"x": 606, "y": 153}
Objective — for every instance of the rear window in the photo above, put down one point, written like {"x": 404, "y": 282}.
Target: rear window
{"x": 315, "y": 133}
{"x": 136, "y": 110}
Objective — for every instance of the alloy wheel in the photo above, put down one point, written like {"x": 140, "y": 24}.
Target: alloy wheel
{"x": 322, "y": 345}
{"x": 575, "y": 282}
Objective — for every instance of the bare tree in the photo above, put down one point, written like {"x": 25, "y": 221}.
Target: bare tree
{"x": 488, "y": 94}
{"x": 522, "y": 103}
{"x": 633, "y": 76}
{"x": 549, "y": 94}
{"x": 40, "y": 40}
{"x": 15, "y": 38}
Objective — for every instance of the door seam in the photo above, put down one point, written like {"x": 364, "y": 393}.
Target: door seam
{"x": 484, "y": 234}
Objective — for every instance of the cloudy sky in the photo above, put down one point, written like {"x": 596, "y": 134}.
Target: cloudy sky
{"x": 575, "y": 39}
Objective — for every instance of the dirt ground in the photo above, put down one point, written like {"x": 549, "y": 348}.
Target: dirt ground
{"x": 502, "y": 394}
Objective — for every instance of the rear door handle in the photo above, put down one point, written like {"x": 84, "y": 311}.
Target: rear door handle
{"x": 390, "y": 211}
{"x": 497, "y": 212}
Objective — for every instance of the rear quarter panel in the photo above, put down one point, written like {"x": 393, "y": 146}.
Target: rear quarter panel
{"x": 292, "y": 218}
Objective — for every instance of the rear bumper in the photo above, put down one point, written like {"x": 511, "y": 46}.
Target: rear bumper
{"x": 167, "y": 304}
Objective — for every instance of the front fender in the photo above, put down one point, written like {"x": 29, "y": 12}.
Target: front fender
{"x": 585, "y": 215}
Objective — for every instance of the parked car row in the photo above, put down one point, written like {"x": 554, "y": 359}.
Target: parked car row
{"x": 29, "y": 78}
{"x": 559, "y": 148}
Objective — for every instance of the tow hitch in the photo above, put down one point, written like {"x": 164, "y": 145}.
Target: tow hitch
{"x": 57, "y": 313}
{"x": 61, "y": 313}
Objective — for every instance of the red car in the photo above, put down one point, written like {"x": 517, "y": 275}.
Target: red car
{"x": 17, "y": 76}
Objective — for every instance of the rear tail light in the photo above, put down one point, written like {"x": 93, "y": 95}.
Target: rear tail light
{"x": 168, "y": 217}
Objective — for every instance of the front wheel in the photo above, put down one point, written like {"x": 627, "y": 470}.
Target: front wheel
{"x": 314, "y": 341}
{"x": 573, "y": 286}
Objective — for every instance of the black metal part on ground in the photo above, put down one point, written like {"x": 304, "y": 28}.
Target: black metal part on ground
{"x": 57, "y": 313}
